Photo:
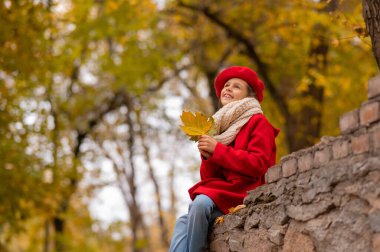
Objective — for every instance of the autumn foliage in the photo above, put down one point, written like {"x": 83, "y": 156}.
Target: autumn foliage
{"x": 91, "y": 93}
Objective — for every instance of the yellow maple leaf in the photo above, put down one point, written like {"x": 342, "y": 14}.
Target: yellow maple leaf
{"x": 235, "y": 209}
{"x": 196, "y": 125}
{"x": 219, "y": 220}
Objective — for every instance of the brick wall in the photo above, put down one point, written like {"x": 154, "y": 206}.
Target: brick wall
{"x": 323, "y": 198}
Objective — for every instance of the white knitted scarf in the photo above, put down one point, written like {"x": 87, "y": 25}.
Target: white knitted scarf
{"x": 231, "y": 117}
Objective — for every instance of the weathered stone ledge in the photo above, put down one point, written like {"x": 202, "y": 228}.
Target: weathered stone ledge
{"x": 364, "y": 140}
{"x": 323, "y": 198}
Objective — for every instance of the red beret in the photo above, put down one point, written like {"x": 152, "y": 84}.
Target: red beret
{"x": 243, "y": 73}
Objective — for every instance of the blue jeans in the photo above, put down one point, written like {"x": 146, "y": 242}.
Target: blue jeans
{"x": 190, "y": 231}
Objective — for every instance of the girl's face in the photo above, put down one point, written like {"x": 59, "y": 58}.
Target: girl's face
{"x": 234, "y": 89}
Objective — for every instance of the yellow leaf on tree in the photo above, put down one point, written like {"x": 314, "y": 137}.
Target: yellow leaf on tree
{"x": 196, "y": 125}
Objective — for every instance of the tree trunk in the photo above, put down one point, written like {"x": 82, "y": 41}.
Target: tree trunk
{"x": 124, "y": 185}
{"x": 161, "y": 220}
{"x": 47, "y": 236}
{"x": 211, "y": 75}
{"x": 59, "y": 227}
{"x": 371, "y": 15}
{"x": 172, "y": 189}
{"x": 304, "y": 127}
{"x": 136, "y": 214}
{"x": 125, "y": 174}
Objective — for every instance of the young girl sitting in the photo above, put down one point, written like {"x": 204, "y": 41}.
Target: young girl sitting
{"x": 234, "y": 160}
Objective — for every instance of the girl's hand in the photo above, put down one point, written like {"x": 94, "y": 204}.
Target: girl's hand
{"x": 207, "y": 143}
{"x": 206, "y": 155}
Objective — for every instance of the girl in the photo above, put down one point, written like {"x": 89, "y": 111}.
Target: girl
{"x": 234, "y": 161}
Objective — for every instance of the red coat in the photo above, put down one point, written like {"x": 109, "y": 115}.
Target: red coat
{"x": 239, "y": 167}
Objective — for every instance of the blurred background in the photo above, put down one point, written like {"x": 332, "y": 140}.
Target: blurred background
{"x": 91, "y": 154}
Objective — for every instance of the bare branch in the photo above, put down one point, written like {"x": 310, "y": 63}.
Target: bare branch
{"x": 117, "y": 100}
{"x": 164, "y": 80}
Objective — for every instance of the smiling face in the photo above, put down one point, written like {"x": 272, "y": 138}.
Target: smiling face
{"x": 234, "y": 89}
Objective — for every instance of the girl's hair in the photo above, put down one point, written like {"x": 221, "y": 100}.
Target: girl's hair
{"x": 251, "y": 92}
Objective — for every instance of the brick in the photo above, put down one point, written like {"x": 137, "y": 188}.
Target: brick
{"x": 376, "y": 242}
{"x": 369, "y": 112}
{"x": 273, "y": 174}
{"x": 374, "y": 87}
{"x": 219, "y": 244}
{"x": 296, "y": 240}
{"x": 375, "y": 136}
{"x": 360, "y": 144}
{"x": 289, "y": 167}
{"x": 374, "y": 220}
{"x": 321, "y": 157}
{"x": 349, "y": 121}
{"x": 305, "y": 162}
{"x": 236, "y": 241}
{"x": 340, "y": 149}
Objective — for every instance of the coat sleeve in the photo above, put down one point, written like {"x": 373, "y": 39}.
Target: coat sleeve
{"x": 210, "y": 169}
{"x": 256, "y": 159}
